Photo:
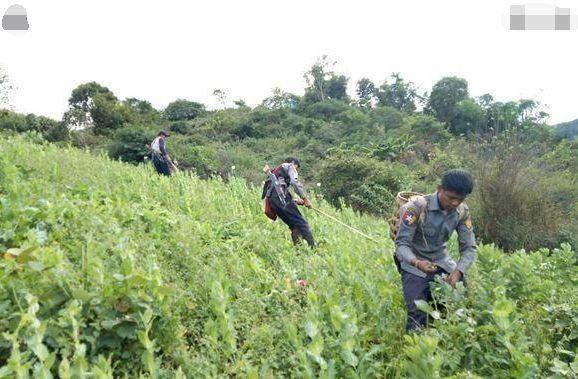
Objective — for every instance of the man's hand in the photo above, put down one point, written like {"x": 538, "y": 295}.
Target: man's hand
{"x": 307, "y": 203}
{"x": 424, "y": 266}
{"x": 299, "y": 201}
{"x": 454, "y": 277}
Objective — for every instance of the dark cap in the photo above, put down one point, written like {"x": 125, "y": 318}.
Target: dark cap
{"x": 293, "y": 160}
{"x": 164, "y": 133}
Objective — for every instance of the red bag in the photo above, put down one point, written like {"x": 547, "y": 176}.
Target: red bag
{"x": 269, "y": 212}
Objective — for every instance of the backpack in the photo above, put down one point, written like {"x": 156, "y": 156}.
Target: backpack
{"x": 404, "y": 197}
{"x": 400, "y": 199}
{"x": 269, "y": 187}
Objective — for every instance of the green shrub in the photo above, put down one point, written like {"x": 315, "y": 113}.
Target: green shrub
{"x": 514, "y": 204}
{"x": 129, "y": 144}
{"x": 364, "y": 183}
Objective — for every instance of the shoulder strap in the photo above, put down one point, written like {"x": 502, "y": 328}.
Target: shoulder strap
{"x": 421, "y": 202}
{"x": 462, "y": 211}
{"x": 280, "y": 171}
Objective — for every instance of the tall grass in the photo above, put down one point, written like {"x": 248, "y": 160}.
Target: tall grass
{"x": 109, "y": 270}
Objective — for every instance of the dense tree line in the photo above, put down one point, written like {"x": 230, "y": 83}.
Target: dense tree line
{"x": 360, "y": 150}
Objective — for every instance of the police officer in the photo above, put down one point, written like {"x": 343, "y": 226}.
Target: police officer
{"x": 426, "y": 224}
{"x": 159, "y": 155}
{"x": 286, "y": 209}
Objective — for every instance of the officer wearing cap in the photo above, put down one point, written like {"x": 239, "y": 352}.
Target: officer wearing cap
{"x": 159, "y": 155}
{"x": 426, "y": 224}
{"x": 286, "y": 208}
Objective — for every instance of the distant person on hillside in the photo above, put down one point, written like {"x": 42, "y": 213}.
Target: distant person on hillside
{"x": 160, "y": 157}
{"x": 279, "y": 202}
{"x": 426, "y": 224}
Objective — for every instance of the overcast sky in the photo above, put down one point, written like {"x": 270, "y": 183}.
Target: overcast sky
{"x": 163, "y": 50}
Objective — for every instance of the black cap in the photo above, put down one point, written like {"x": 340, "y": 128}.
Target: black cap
{"x": 293, "y": 160}
{"x": 164, "y": 133}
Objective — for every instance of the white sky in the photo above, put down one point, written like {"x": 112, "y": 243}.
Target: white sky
{"x": 163, "y": 50}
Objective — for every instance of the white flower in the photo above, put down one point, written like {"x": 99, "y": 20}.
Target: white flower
{"x": 318, "y": 184}
{"x": 232, "y": 167}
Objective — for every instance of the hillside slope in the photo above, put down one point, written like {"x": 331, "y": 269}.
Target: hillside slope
{"x": 109, "y": 269}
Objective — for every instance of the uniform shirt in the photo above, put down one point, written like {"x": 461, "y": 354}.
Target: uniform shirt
{"x": 294, "y": 179}
{"x": 424, "y": 236}
{"x": 158, "y": 146}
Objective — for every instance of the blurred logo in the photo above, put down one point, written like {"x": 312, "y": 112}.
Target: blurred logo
{"x": 15, "y": 19}
{"x": 541, "y": 17}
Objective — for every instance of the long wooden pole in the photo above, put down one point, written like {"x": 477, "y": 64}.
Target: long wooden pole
{"x": 344, "y": 224}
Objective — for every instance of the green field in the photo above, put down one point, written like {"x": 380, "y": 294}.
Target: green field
{"x": 109, "y": 270}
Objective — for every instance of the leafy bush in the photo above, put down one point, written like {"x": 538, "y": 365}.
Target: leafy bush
{"x": 386, "y": 117}
{"x": 181, "y": 127}
{"x": 514, "y": 203}
{"x": 129, "y": 144}
{"x": 108, "y": 270}
{"x": 364, "y": 183}
{"x": 180, "y": 110}
{"x": 428, "y": 129}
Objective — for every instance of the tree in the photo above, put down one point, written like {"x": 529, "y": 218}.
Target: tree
{"x": 241, "y": 104}
{"x": 143, "y": 107}
{"x": 129, "y": 143}
{"x": 109, "y": 115}
{"x": 386, "y": 118}
{"x": 181, "y": 110}
{"x": 428, "y": 129}
{"x": 5, "y": 87}
{"x": 221, "y": 95}
{"x": 485, "y": 101}
{"x": 82, "y": 102}
{"x": 323, "y": 84}
{"x": 567, "y": 130}
{"x": 524, "y": 114}
{"x": 281, "y": 100}
{"x": 366, "y": 92}
{"x": 469, "y": 119}
{"x": 444, "y": 98}
{"x": 337, "y": 88}
{"x": 529, "y": 114}
{"x": 400, "y": 94}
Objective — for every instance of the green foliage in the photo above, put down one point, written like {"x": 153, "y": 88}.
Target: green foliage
{"x": 400, "y": 94}
{"x": 81, "y": 104}
{"x": 13, "y": 121}
{"x": 181, "y": 127}
{"x": 445, "y": 96}
{"x": 469, "y": 119}
{"x": 366, "y": 92}
{"x": 324, "y": 119}
{"x": 94, "y": 106}
{"x": 364, "y": 183}
{"x": 181, "y": 110}
{"x": 426, "y": 128}
{"x": 108, "y": 270}
{"x": 567, "y": 130}
{"x": 387, "y": 149}
{"x": 107, "y": 116}
{"x": 516, "y": 207}
{"x": 281, "y": 100}
{"x": 51, "y": 130}
{"x": 324, "y": 84}
{"x": 128, "y": 144}
{"x": 328, "y": 110}
{"x": 386, "y": 118}
{"x": 5, "y": 87}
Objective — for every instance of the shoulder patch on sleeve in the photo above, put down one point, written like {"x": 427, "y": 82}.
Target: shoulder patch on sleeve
{"x": 468, "y": 222}
{"x": 409, "y": 216}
